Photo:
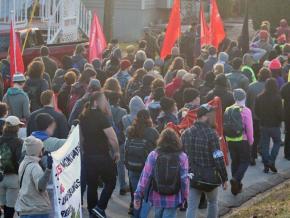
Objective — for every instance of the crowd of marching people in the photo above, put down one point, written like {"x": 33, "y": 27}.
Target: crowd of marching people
{"x": 123, "y": 105}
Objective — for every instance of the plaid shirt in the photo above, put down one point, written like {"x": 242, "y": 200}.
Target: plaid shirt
{"x": 201, "y": 143}
{"x": 163, "y": 201}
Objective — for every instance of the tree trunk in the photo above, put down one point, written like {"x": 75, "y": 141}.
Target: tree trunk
{"x": 108, "y": 18}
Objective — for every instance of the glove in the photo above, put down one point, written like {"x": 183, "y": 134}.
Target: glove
{"x": 49, "y": 161}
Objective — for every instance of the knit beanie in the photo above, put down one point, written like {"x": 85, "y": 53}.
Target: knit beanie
{"x": 239, "y": 95}
{"x": 94, "y": 85}
{"x": 148, "y": 64}
{"x": 275, "y": 65}
{"x": 33, "y": 146}
{"x": 125, "y": 64}
{"x": 223, "y": 57}
{"x": 140, "y": 56}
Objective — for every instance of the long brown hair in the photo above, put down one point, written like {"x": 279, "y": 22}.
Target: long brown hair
{"x": 177, "y": 64}
{"x": 142, "y": 121}
{"x": 112, "y": 84}
{"x": 8, "y": 129}
{"x": 169, "y": 141}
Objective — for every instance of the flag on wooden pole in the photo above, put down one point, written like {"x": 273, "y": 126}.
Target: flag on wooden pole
{"x": 217, "y": 27}
{"x": 173, "y": 30}
{"x": 204, "y": 29}
{"x": 16, "y": 61}
{"x": 98, "y": 41}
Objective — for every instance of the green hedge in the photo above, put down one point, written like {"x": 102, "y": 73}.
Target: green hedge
{"x": 271, "y": 10}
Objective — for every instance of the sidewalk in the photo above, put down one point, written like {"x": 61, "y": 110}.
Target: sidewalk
{"x": 255, "y": 182}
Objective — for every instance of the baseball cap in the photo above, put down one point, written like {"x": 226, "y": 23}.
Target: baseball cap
{"x": 204, "y": 109}
{"x": 13, "y": 121}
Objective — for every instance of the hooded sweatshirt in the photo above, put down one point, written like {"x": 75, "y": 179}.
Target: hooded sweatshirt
{"x": 18, "y": 103}
{"x": 33, "y": 197}
{"x": 136, "y": 104}
{"x": 224, "y": 59}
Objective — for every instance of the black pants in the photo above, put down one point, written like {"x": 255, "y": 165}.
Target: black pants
{"x": 103, "y": 167}
{"x": 240, "y": 155}
{"x": 255, "y": 146}
{"x": 287, "y": 140}
{"x": 8, "y": 212}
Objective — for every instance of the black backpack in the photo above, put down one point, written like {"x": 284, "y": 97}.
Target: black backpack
{"x": 233, "y": 123}
{"x": 166, "y": 177}
{"x": 136, "y": 152}
{"x": 34, "y": 92}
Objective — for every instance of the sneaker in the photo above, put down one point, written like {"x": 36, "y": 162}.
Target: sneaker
{"x": 266, "y": 169}
{"x": 98, "y": 212}
{"x": 253, "y": 162}
{"x": 131, "y": 209}
{"x": 273, "y": 168}
{"x": 124, "y": 191}
{"x": 202, "y": 205}
{"x": 235, "y": 186}
{"x": 183, "y": 207}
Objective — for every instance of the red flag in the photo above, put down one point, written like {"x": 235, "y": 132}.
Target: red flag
{"x": 173, "y": 30}
{"x": 98, "y": 41}
{"x": 16, "y": 61}
{"x": 204, "y": 29}
{"x": 217, "y": 27}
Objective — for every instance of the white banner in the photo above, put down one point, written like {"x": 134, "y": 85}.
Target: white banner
{"x": 66, "y": 177}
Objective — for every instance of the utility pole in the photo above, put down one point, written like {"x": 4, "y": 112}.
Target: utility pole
{"x": 109, "y": 18}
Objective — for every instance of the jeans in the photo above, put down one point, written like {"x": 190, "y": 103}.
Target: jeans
{"x": 287, "y": 139}
{"x": 165, "y": 212}
{"x": 121, "y": 168}
{"x": 256, "y": 146}
{"x": 240, "y": 155}
{"x": 146, "y": 205}
{"x": 100, "y": 166}
{"x": 266, "y": 134}
{"x": 35, "y": 216}
{"x": 193, "y": 201}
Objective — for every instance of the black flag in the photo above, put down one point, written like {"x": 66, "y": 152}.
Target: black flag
{"x": 245, "y": 37}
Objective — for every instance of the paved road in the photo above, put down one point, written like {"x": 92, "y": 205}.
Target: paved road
{"x": 255, "y": 181}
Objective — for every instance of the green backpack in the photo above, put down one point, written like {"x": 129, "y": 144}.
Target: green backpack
{"x": 6, "y": 158}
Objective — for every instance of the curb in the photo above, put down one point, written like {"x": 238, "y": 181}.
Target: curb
{"x": 250, "y": 194}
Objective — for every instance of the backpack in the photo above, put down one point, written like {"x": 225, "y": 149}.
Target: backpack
{"x": 34, "y": 93}
{"x": 166, "y": 176}
{"x": 58, "y": 80}
{"x": 136, "y": 152}
{"x": 233, "y": 123}
{"x": 123, "y": 80}
{"x": 5, "y": 73}
{"x": 6, "y": 158}
{"x": 119, "y": 133}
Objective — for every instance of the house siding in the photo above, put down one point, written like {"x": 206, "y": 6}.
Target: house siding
{"x": 130, "y": 16}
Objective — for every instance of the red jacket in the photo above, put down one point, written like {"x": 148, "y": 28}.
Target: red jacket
{"x": 172, "y": 87}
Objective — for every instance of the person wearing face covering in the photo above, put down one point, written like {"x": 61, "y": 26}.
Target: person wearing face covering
{"x": 33, "y": 199}
{"x": 240, "y": 146}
